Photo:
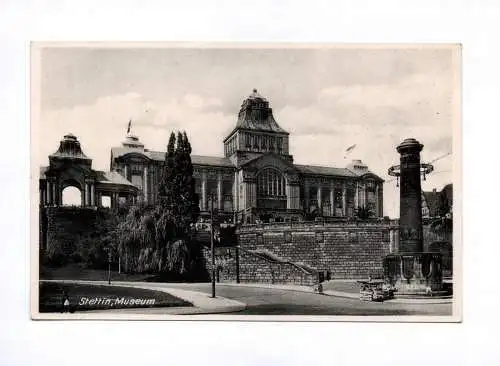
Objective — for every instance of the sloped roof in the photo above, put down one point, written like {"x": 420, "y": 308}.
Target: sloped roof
{"x": 112, "y": 178}
{"x": 324, "y": 170}
{"x": 255, "y": 114}
{"x": 160, "y": 156}
{"x": 249, "y": 121}
{"x": 196, "y": 159}
{"x": 70, "y": 148}
{"x": 211, "y": 160}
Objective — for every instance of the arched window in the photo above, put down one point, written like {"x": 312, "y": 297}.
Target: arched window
{"x": 271, "y": 183}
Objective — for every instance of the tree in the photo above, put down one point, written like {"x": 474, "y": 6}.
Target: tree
{"x": 443, "y": 223}
{"x": 158, "y": 239}
{"x": 364, "y": 213}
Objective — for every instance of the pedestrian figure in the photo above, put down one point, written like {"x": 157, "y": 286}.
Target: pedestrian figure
{"x": 66, "y": 303}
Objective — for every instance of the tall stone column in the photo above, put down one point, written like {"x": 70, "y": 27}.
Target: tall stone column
{"x": 410, "y": 222}
{"x": 409, "y": 269}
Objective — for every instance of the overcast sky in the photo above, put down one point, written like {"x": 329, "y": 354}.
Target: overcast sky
{"x": 328, "y": 99}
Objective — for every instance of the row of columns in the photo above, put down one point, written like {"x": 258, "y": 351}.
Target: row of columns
{"x": 205, "y": 205}
{"x": 319, "y": 197}
{"x": 360, "y": 197}
{"x": 51, "y": 194}
{"x": 89, "y": 195}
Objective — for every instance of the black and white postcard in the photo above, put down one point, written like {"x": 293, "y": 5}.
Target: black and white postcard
{"x": 246, "y": 181}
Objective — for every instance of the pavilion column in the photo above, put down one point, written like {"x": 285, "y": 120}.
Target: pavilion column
{"x": 126, "y": 172}
{"x": 203, "y": 192}
{"x": 83, "y": 195}
{"x": 45, "y": 193}
{"x": 87, "y": 195}
{"x": 43, "y": 200}
{"x": 377, "y": 213}
{"x": 219, "y": 191}
{"x": 344, "y": 201}
{"x": 92, "y": 194}
{"x": 59, "y": 193}
{"x": 54, "y": 201}
{"x": 146, "y": 184}
{"x": 42, "y": 195}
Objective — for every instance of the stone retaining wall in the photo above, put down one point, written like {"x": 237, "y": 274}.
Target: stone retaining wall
{"x": 346, "y": 250}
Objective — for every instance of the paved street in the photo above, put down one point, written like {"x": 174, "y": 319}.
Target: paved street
{"x": 271, "y": 301}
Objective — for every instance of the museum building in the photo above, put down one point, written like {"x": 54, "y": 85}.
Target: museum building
{"x": 257, "y": 180}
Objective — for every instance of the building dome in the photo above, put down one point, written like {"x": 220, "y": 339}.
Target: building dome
{"x": 132, "y": 141}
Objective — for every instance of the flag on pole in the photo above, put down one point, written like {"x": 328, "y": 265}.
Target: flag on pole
{"x": 129, "y": 125}
{"x": 348, "y": 150}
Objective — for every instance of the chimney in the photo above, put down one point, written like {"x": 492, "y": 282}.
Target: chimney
{"x": 434, "y": 190}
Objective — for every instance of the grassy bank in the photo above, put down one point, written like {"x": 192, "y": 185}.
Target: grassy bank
{"x": 84, "y": 297}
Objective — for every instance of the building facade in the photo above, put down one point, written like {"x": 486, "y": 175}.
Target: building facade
{"x": 256, "y": 179}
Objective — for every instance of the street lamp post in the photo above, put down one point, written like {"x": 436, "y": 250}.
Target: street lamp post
{"x": 109, "y": 266}
{"x": 212, "y": 242}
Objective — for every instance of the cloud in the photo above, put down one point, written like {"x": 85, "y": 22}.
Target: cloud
{"x": 102, "y": 125}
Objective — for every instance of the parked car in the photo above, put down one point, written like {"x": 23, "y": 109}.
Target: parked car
{"x": 375, "y": 291}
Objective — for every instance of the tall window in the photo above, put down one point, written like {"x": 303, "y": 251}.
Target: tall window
{"x": 248, "y": 142}
{"x": 271, "y": 143}
{"x": 271, "y": 183}
{"x": 256, "y": 142}
{"x": 280, "y": 145}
